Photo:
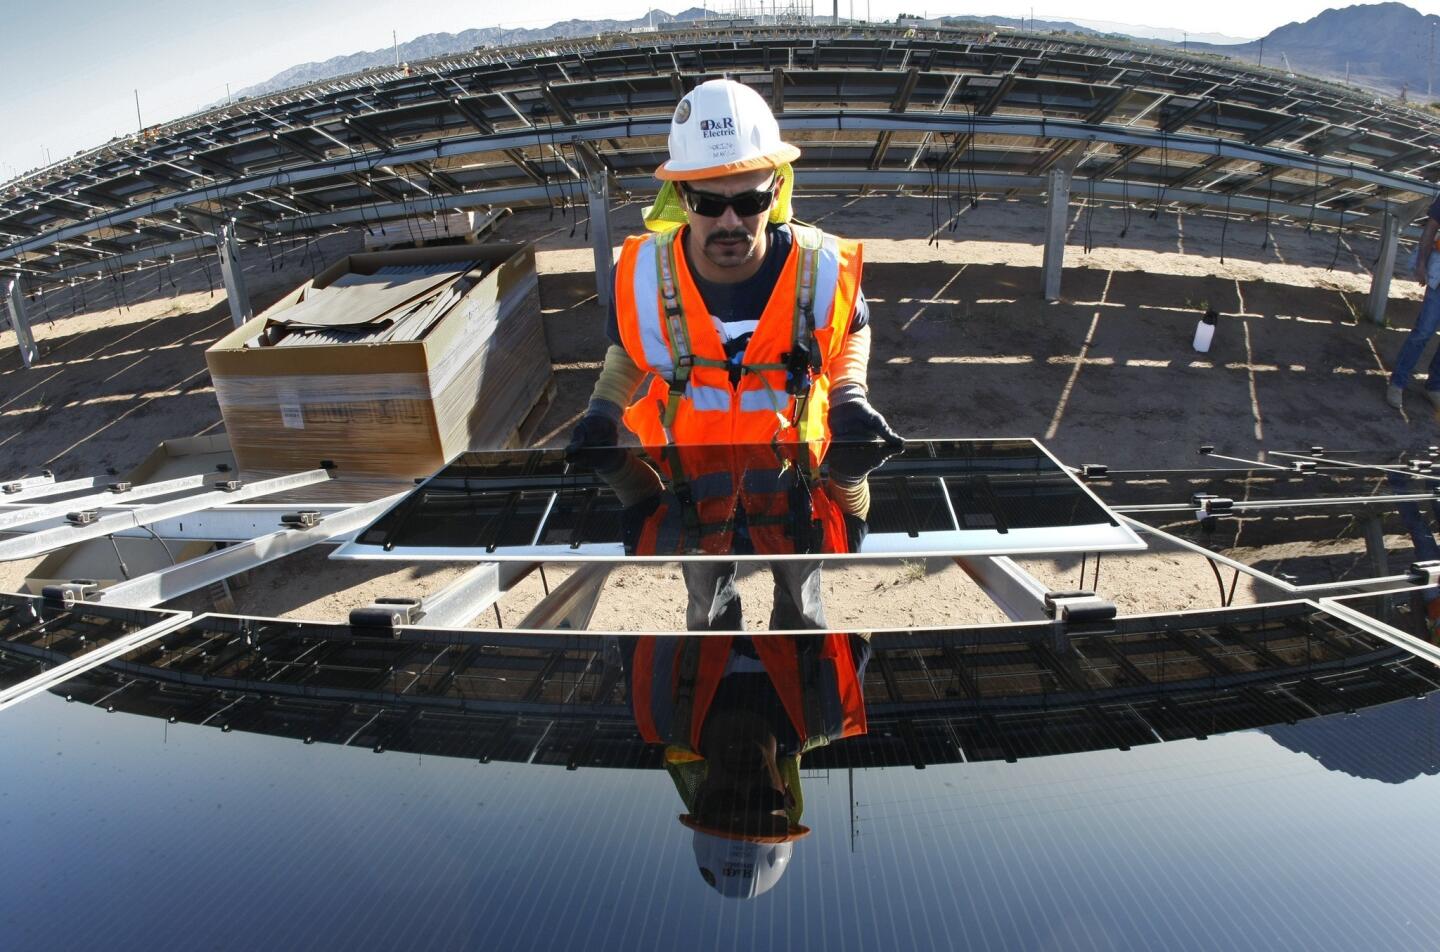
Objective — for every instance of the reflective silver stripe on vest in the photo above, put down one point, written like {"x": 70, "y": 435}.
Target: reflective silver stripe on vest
{"x": 708, "y": 398}
{"x": 648, "y": 317}
{"x": 763, "y": 401}
{"x": 827, "y": 277}
{"x": 650, "y": 320}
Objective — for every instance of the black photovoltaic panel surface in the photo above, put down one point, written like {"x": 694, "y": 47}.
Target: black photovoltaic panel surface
{"x": 931, "y": 695}
{"x": 36, "y": 635}
{"x": 512, "y": 502}
{"x": 197, "y": 805}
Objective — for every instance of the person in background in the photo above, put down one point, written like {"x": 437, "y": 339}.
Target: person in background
{"x": 1427, "y": 272}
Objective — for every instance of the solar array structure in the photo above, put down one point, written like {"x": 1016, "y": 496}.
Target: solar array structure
{"x": 1342, "y": 551}
{"x": 583, "y": 123}
{"x": 932, "y": 696}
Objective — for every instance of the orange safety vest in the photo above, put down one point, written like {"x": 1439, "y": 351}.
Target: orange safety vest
{"x": 783, "y": 391}
{"x": 786, "y": 511}
{"x": 674, "y": 680}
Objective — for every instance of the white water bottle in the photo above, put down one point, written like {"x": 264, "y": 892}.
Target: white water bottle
{"x": 1205, "y": 331}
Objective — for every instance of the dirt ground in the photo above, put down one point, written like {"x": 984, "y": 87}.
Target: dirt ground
{"x": 964, "y": 347}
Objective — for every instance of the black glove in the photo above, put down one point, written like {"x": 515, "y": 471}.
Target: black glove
{"x": 858, "y": 422}
{"x": 850, "y": 463}
{"x": 592, "y": 444}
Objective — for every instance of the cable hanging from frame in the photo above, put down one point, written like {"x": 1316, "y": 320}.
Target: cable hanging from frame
{"x": 1225, "y": 225}
{"x": 1089, "y": 213}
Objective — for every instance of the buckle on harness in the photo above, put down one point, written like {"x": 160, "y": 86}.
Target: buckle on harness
{"x": 684, "y": 364}
{"x": 798, "y": 366}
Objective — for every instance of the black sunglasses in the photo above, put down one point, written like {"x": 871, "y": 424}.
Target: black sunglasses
{"x": 745, "y": 204}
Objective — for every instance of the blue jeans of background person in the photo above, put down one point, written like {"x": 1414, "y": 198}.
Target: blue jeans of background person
{"x": 1425, "y": 326}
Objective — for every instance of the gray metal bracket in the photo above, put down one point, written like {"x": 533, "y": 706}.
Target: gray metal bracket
{"x": 20, "y": 320}
{"x": 233, "y": 275}
{"x": 454, "y": 606}
{"x": 66, "y": 594}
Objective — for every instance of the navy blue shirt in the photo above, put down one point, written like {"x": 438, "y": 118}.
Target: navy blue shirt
{"x": 738, "y": 306}
{"x": 1435, "y": 209}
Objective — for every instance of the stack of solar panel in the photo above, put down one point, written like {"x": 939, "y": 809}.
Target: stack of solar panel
{"x": 386, "y": 365}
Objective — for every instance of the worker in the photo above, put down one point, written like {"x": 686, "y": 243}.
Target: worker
{"x": 751, "y": 328}
{"x": 736, "y": 714}
{"x": 1426, "y": 269}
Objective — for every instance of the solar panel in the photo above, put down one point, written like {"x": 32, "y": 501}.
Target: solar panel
{"x": 362, "y": 786}
{"x": 932, "y": 695}
{"x": 935, "y": 498}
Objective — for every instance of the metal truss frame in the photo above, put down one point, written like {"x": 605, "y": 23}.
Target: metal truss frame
{"x": 886, "y": 108}
{"x": 1054, "y": 624}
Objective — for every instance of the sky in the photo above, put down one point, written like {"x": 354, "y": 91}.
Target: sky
{"x": 73, "y": 67}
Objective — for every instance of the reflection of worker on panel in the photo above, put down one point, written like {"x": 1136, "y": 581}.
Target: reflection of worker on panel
{"x": 736, "y": 714}
{"x": 1422, "y": 536}
{"x": 723, "y": 500}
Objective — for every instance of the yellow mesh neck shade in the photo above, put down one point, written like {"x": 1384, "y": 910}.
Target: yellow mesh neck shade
{"x": 668, "y": 212}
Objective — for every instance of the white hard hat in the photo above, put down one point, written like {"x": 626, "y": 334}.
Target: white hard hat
{"x": 740, "y": 868}
{"x": 720, "y": 128}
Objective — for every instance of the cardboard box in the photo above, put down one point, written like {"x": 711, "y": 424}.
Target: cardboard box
{"x": 383, "y": 414}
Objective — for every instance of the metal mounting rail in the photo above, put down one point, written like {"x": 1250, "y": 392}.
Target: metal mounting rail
{"x": 46, "y": 487}
{"x": 154, "y": 588}
{"x": 48, "y": 540}
{"x": 238, "y": 522}
{"x": 29, "y": 514}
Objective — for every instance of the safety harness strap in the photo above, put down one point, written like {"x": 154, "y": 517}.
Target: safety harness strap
{"x": 682, "y": 354}
{"x": 804, "y": 361}
{"x": 801, "y": 364}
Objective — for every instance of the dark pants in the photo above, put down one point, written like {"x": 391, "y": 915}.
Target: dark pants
{"x": 1426, "y": 323}
{"x": 714, "y": 603}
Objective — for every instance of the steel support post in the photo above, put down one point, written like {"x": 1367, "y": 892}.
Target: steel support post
{"x": 1375, "y": 545}
{"x": 20, "y": 320}
{"x": 597, "y": 187}
{"x": 234, "y": 276}
{"x": 1384, "y": 268}
{"x": 1057, "y": 203}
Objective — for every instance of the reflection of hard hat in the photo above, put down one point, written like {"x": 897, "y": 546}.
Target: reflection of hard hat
{"x": 720, "y": 128}
{"x": 739, "y": 867}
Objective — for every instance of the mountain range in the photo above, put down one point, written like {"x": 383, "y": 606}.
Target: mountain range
{"x": 1383, "y": 47}
{"x": 441, "y": 44}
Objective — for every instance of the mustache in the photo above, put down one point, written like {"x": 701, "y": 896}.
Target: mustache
{"x": 739, "y": 234}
